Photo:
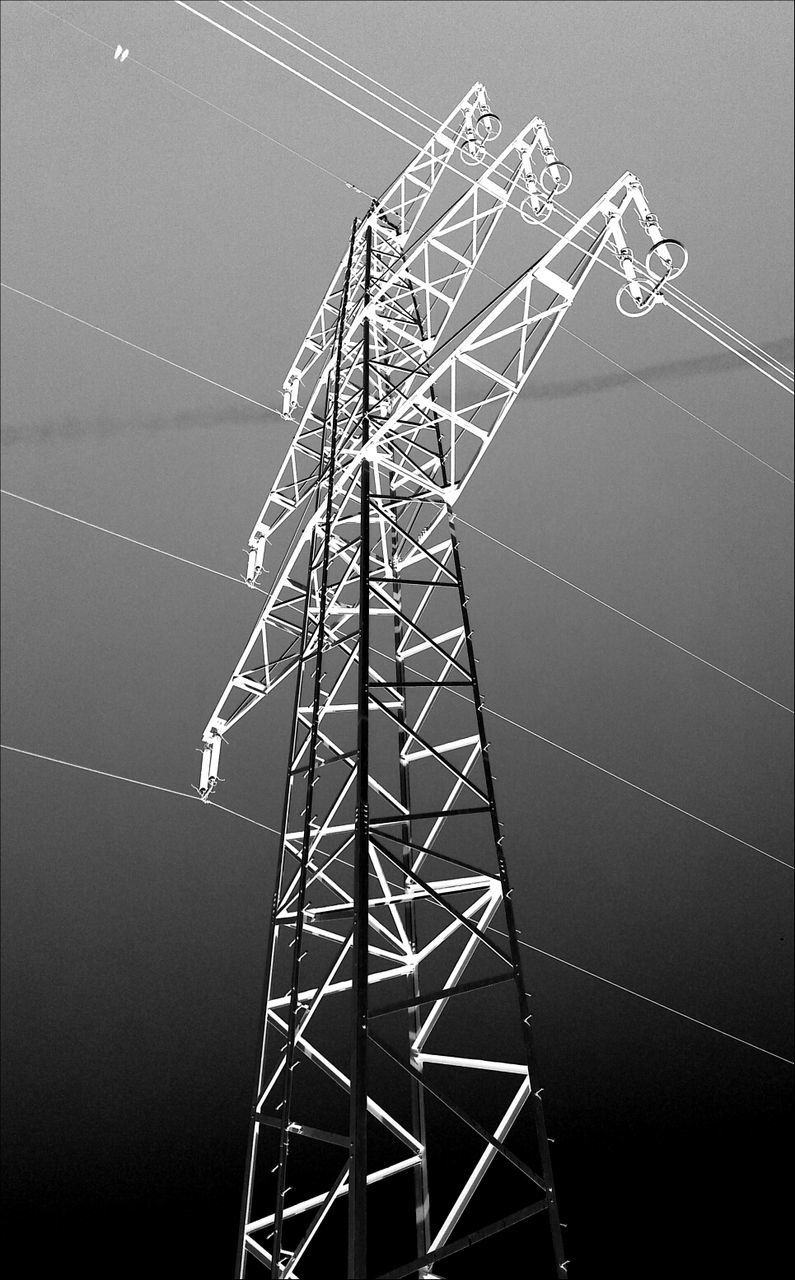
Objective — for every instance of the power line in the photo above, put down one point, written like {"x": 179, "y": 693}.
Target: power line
{"x": 145, "y": 350}
{"x": 634, "y": 785}
{"x": 620, "y": 613}
{"x": 261, "y": 824}
{"x": 506, "y": 546}
{"x": 186, "y": 795}
{"x": 138, "y": 782}
{"x": 271, "y": 409}
{"x": 561, "y": 208}
{"x": 700, "y": 308}
{"x": 677, "y": 405}
{"x": 212, "y": 105}
{"x": 648, "y": 999}
{"x": 497, "y": 714}
{"x": 124, "y": 537}
{"x": 483, "y": 533}
{"x": 436, "y": 122}
{"x": 286, "y": 67}
{"x": 349, "y": 65}
{"x": 691, "y": 320}
{"x": 278, "y": 412}
{"x": 352, "y": 186}
{"x": 321, "y": 63}
{"x": 566, "y": 212}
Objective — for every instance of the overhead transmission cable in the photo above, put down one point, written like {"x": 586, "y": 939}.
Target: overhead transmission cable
{"x": 353, "y": 187}
{"x": 750, "y": 345}
{"x": 497, "y": 714}
{"x": 271, "y": 409}
{"x": 138, "y": 782}
{"x": 482, "y": 532}
{"x": 566, "y": 213}
{"x": 774, "y": 361}
{"x": 147, "y": 546}
{"x": 213, "y": 105}
{"x": 144, "y": 350}
{"x": 435, "y": 123}
{"x": 402, "y": 137}
{"x": 620, "y": 613}
{"x": 187, "y": 795}
{"x": 278, "y": 413}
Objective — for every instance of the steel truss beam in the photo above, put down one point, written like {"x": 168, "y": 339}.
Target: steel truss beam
{"x": 391, "y": 870}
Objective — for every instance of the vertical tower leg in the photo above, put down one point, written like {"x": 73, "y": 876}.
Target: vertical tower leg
{"x": 393, "y": 889}
{"x": 310, "y": 676}
{"x": 357, "y": 1200}
{"x": 418, "y": 1127}
{"x": 394, "y": 992}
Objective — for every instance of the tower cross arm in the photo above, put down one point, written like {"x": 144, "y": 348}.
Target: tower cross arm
{"x": 401, "y": 206}
{"x": 413, "y": 300}
{"x": 456, "y": 409}
{"x": 469, "y": 394}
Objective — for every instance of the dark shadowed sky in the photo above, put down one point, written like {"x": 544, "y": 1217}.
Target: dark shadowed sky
{"x": 135, "y": 920}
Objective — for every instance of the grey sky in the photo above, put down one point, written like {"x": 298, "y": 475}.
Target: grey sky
{"x": 135, "y": 921}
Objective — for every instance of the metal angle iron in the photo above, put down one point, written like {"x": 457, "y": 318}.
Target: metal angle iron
{"x": 389, "y": 1006}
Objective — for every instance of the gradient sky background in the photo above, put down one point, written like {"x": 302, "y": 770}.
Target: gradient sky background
{"x": 134, "y": 929}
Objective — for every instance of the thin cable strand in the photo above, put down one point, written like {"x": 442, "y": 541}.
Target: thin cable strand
{"x": 714, "y": 338}
{"x": 558, "y": 746}
{"x": 620, "y": 613}
{"x": 124, "y": 538}
{"x": 652, "y": 795}
{"x": 636, "y": 377}
{"x": 278, "y": 413}
{"x": 561, "y": 208}
{"x": 524, "y": 728}
{"x": 700, "y": 308}
{"x": 144, "y": 350}
{"x": 692, "y": 320}
{"x": 648, "y": 999}
{"x": 286, "y": 67}
{"x": 186, "y": 795}
{"x": 349, "y": 65}
{"x": 634, "y": 785}
{"x": 212, "y": 105}
{"x": 138, "y": 782}
{"x": 468, "y": 178}
{"x": 353, "y": 187}
{"x": 241, "y": 13}
{"x": 520, "y": 554}
{"x": 436, "y": 122}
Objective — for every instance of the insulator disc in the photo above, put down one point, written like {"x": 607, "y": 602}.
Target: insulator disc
{"x": 529, "y": 214}
{"x": 472, "y": 153}
{"x": 678, "y": 254}
{"x": 488, "y": 126}
{"x": 556, "y": 188}
{"x": 650, "y": 296}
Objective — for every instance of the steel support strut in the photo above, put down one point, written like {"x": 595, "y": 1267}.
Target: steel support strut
{"x": 332, "y": 403}
{"x": 421, "y": 1193}
{"x": 357, "y": 1200}
{"x": 392, "y": 884}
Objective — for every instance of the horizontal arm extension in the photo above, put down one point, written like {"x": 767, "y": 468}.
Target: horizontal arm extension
{"x": 463, "y": 402}
{"x": 412, "y": 303}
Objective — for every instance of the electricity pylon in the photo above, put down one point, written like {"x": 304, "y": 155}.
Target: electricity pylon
{"x": 396, "y": 1082}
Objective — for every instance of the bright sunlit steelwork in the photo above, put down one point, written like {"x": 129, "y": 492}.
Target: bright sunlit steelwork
{"x": 389, "y": 1003}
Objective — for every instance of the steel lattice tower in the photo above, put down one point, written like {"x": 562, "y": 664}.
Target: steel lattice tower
{"x": 394, "y": 979}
